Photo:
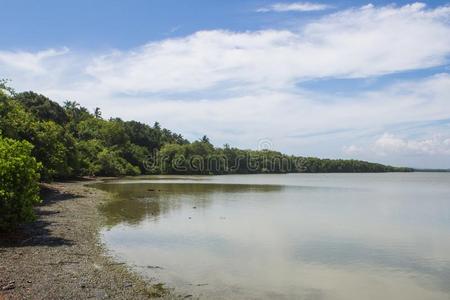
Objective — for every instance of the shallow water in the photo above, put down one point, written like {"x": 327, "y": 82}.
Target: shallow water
{"x": 295, "y": 236}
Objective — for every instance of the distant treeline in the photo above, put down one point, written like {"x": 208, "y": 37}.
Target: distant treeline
{"x": 432, "y": 170}
{"x": 70, "y": 141}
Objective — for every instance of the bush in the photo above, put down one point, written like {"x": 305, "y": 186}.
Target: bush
{"x": 113, "y": 165}
{"x": 19, "y": 189}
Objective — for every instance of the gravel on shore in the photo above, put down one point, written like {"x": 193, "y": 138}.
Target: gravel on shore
{"x": 60, "y": 256}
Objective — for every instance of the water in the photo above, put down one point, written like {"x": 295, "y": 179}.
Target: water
{"x": 295, "y": 236}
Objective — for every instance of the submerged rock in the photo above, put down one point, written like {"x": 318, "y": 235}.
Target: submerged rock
{"x": 11, "y": 285}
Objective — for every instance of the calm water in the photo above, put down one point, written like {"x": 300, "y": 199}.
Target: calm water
{"x": 296, "y": 236}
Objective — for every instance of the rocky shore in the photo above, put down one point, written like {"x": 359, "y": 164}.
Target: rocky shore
{"x": 59, "y": 256}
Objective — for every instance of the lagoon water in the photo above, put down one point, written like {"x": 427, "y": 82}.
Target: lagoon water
{"x": 293, "y": 236}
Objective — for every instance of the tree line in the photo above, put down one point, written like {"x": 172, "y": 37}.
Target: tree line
{"x": 69, "y": 141}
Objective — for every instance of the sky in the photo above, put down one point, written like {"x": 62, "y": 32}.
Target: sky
{"x": 335, "y": 79}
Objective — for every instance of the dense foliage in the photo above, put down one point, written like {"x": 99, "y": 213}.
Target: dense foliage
{"x": 70, "y": 141}
{"x": 201, "y": 157}
{"x": 18, "y": 182}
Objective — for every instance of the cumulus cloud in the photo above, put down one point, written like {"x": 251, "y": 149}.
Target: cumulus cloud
{"x": 298, "y": 6}
{"x": 354, "y": 43}
{"x": 431, "y": 149}
{"x": 29, "y": 62}
{"x": 389, "y": 143}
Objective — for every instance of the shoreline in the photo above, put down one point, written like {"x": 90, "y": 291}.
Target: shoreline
{"x": 60, "y": 255}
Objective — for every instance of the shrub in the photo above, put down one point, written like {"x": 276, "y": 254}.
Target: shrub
{"x": 113, "y": 165}
{"x": 19, "y": 189}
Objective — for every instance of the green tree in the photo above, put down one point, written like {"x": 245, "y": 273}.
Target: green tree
{"x": 42, "y": 107}
{"x": 19, "y": 177}
{"x": 54, "y": 146}
{"x": 56, "y": 149}
{"x": 111, "y": 164}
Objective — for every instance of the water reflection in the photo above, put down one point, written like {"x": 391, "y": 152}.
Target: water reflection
{"x": 353, "y": 236}
{"x": 134, "y": 202}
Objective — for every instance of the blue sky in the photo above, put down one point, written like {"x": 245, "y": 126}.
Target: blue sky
{"x": 100, "y": 24}
{"x": 349, "y": 79}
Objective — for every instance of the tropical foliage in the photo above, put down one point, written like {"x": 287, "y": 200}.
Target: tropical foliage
{"x": 18, "y": 182}
{"x": 70, "y": 141}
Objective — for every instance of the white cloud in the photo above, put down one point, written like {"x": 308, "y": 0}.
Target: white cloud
{"x": 352, "y": 150}
{"x": 29, "y": 62}
{"x": 426, "y": 150}
{"x": 298, "y": 6}
{"x": 289, "y": 119}
{"x": 389, "y": 144}
{"x": 354, "y": 43}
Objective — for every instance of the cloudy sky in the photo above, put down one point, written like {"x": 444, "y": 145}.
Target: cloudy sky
{"x": 338, "y": 79}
